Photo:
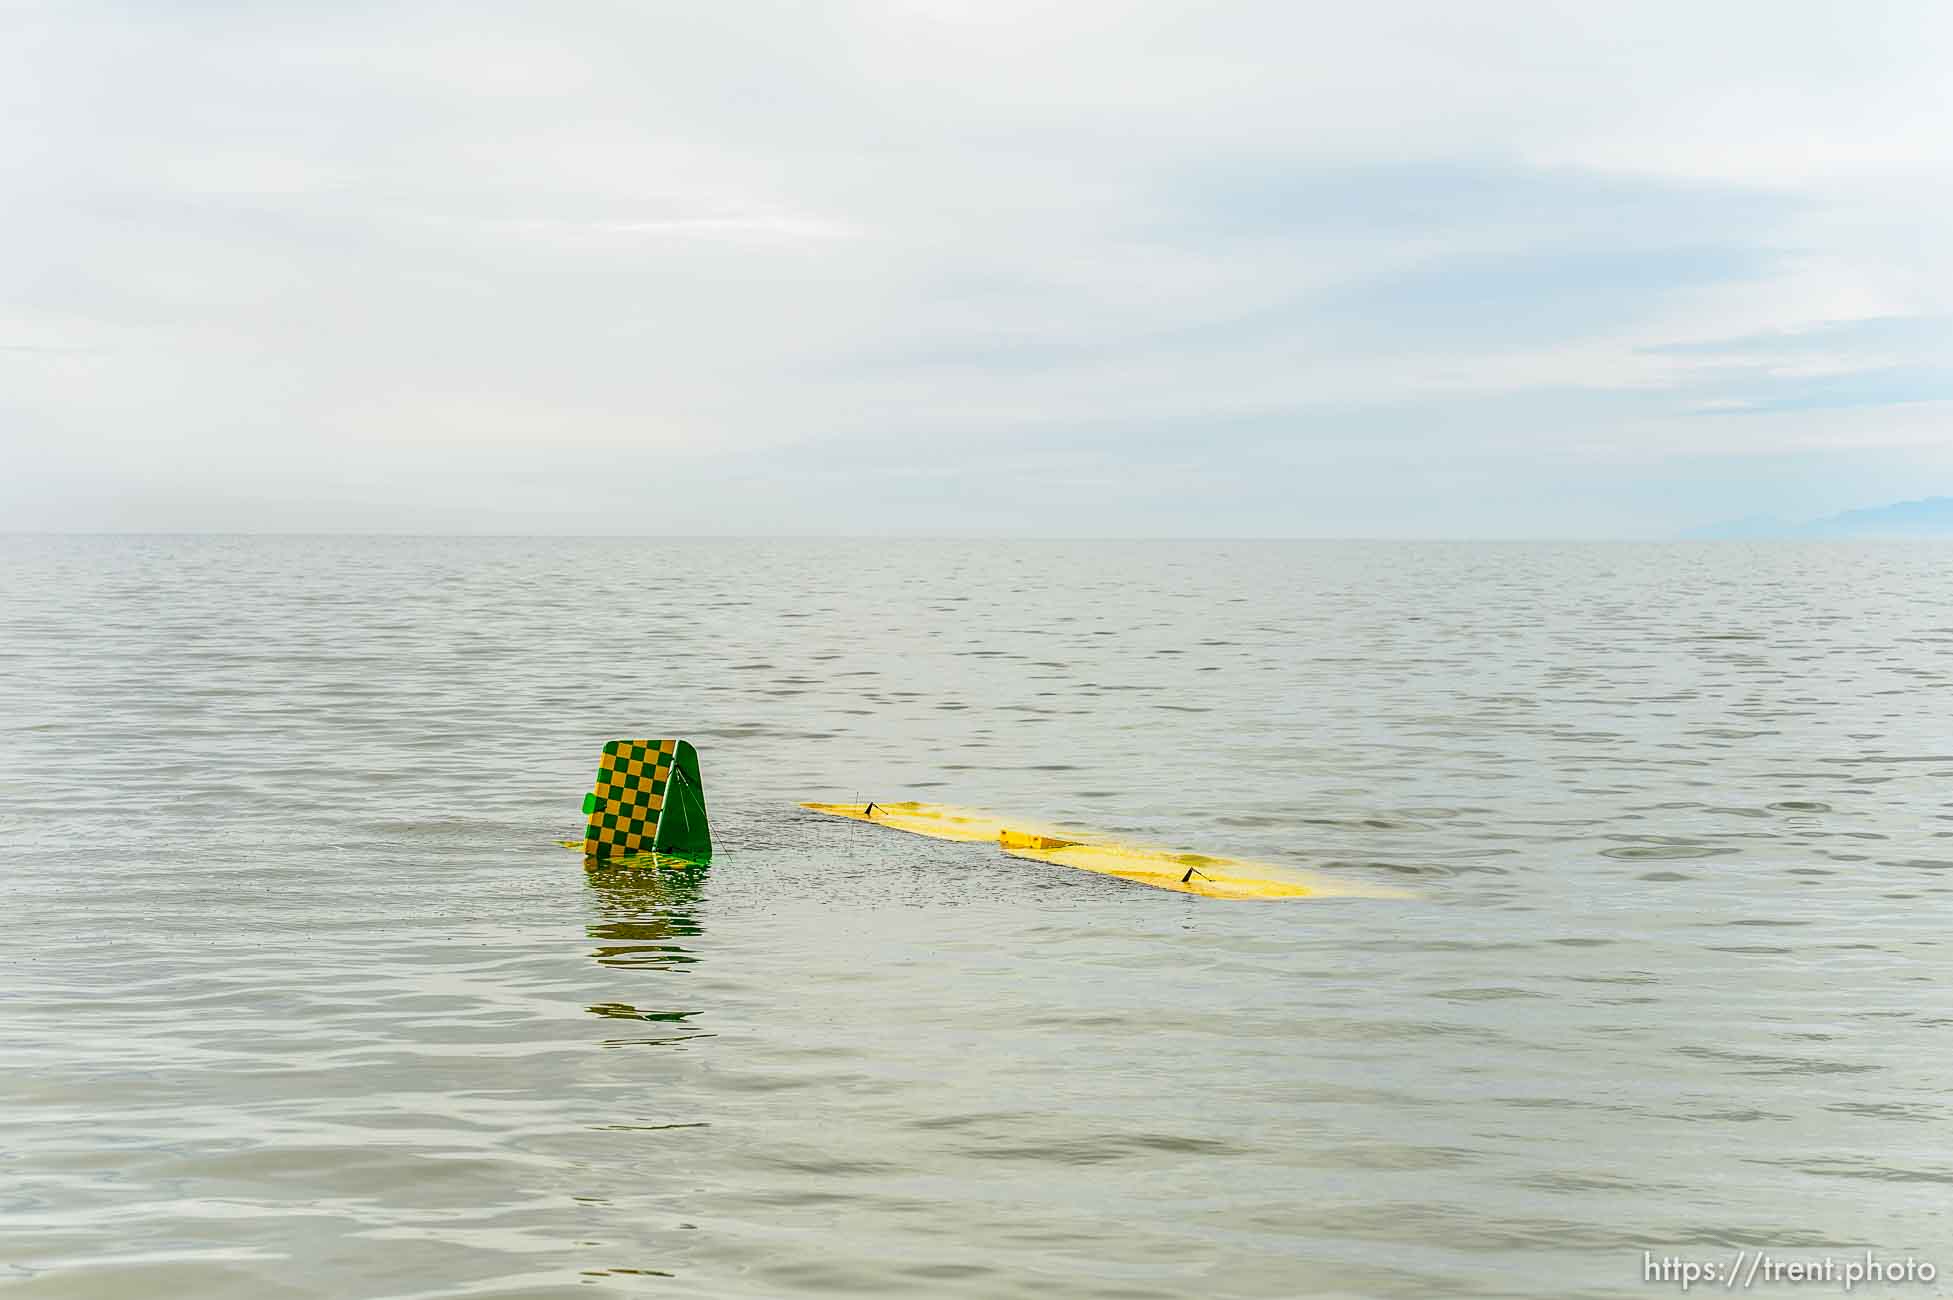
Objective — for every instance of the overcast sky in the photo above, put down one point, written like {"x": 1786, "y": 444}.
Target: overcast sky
{"x": 1350, "y": 269}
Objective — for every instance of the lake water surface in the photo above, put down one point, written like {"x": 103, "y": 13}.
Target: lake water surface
{"x": 299, "y": 997}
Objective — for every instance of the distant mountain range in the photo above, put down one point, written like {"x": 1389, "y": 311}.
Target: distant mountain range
{"x": 1931, "y": 517}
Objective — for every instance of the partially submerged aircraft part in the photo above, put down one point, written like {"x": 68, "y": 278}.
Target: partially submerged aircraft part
{"x": 931, "y": 819}
{"x": 648, "y": 796}
{"x": 1188, "y": 873}
{"x": 1182, "y": 873}
{"x": 648, "y": 859}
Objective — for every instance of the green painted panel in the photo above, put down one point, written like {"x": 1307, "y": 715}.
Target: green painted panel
{"x": 648, "y": 795}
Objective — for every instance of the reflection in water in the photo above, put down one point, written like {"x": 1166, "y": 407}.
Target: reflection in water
{"x": 649, "y": 903}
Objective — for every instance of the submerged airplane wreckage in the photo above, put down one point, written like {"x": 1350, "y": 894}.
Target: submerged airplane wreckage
{"x": 648, "y": 798}
{"x": 1182, "y": 873}
{"x": 649, "y": 803}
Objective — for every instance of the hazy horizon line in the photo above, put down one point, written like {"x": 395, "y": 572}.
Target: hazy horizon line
{"x": 972, "y": 536}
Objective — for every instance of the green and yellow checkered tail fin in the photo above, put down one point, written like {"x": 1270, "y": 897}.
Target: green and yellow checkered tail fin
{"x": 648, "y": 797}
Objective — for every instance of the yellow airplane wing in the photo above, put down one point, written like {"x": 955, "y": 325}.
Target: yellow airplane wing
{"x": 1183, "y": 873}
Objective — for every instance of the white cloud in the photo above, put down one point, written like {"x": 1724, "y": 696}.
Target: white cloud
{"x": 1116, "y": 239}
